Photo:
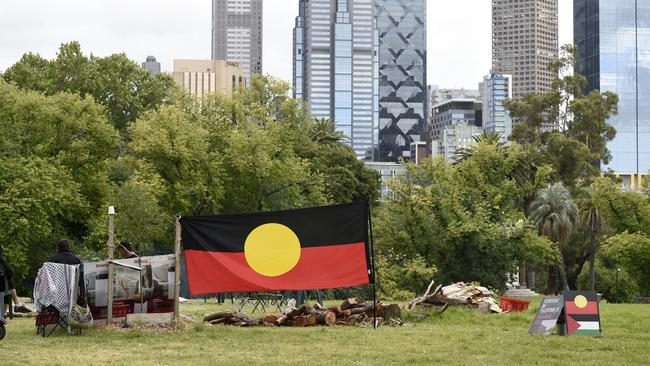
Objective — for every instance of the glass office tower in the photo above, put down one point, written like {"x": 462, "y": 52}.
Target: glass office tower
{"x": 402, "y": 45}
{"x": 613, "y": 37}
{"x": 334, "y": 67}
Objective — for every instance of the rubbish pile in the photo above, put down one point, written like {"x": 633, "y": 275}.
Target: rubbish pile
{"x": 352, "y": 311}
{"x": 458, "y": 294}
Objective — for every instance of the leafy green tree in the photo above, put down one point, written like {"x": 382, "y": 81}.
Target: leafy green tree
{"x": 632, "y": 252}
{"x": 594, "y": 224}
{"x": 555, "y": 215}
{"x": 117, "y": 83}
{"x": 38, "y": 197}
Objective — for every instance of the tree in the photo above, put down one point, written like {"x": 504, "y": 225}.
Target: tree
{"x": 555, "y": 215}
{"x": 632, "y": 251}
{"x": 593, "y": 223}
{"x": 117, "y": 83}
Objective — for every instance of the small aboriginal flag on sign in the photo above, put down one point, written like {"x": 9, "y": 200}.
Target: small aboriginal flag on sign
{"x": 312, "y": 248}
{"x": 581, "y": 311}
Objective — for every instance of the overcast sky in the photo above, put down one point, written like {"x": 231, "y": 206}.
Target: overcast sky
{"x": 459, "y": 39}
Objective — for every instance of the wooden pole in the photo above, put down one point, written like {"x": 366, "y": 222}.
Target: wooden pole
{"x": 374, "y": 274}
{"x": 177, "y": 273}
{"x": 111, "y": 247}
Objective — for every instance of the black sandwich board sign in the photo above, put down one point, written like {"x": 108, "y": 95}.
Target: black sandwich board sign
{"x": 576, "y": 311}
{"x": 547, "y": 316}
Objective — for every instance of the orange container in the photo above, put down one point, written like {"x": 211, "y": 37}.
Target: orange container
{"x": 509, "y": 304}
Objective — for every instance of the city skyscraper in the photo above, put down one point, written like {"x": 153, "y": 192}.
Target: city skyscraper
{"x": 237, "y": 33}
{"x": 613, "y": 39}
{"x": 201, "y": 77}
{"x": 402, "y": 61}
{"x": 335, "y": 67}
{"x": 495, "y": 89}
{"x": 524, "y": 42}
{"x": 151, "y": 65}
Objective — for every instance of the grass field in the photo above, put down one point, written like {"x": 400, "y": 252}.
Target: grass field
{"x": 458, "y": 336}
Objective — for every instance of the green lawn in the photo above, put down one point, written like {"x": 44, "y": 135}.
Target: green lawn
{"x": 456, "y": 337}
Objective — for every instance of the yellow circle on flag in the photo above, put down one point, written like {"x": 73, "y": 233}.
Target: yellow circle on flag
{"x": 272, "y": 249}
{"x": 580, "y": 301}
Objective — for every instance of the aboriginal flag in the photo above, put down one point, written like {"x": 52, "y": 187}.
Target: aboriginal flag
{"x": 312, "y": 248}
{"x": 581, "y": 311}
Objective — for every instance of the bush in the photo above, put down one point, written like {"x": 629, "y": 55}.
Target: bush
{"x": 606, "y": 282}
{"x": 400, "y": 277}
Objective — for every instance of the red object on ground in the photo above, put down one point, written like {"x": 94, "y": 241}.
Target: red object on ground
{"x": 510, "y": 304}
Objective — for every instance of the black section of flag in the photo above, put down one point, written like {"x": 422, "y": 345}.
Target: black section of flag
{"x": 317, "y": 226}
{"x": 571, "y": 295}
{"x": 585, "y": 317}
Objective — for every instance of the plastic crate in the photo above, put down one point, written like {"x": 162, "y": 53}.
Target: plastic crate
{"x": 509, "y": 304}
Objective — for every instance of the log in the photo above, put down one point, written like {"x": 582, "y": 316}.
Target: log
{"x": 360, "y": 311}
{"x": 320, "y": 307}
{"x": 224, "y": 314}
{"x": 270, "y": 320}
{"x": 326, "y": 318}
{"x": 350, "y": 303}
{"x": 217, "y": 321}
{"x": 336, "y": 309}
{"x": 301, "y": 321}
{"x": 344, "y": 314}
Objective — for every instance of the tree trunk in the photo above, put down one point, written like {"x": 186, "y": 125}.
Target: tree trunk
{"x": 592, "y": 259}
{"x": 561, "y": 268}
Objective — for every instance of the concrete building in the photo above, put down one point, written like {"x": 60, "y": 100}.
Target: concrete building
{"x": 201, "y": 77}
{"x": 151, "y": 65}
{"x": 524, "y": 42}
{"x": 402, "y": 53}
{"x": 388, "y": 171}
{"x": 613, "y": 39}
{"x": 335, "y": 67}
{"x": 237, "y": 33}
{"x": 455, "y": 123}
{"x": 495, "y": 89}
{"x": 438, "y": 96}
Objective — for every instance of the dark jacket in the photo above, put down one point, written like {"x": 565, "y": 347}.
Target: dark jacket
{"x": 65, "y": 258}
{"x": 8, "y": 274}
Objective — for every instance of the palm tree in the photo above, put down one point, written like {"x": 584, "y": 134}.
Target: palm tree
{"x": 323, "y": 131}
{"x": 593, "y": 223}
{"x": 486, "y": 138}
{"x": 555, "y": 215}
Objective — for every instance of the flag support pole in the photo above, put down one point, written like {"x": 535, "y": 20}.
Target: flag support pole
{"x": 177, "y": 274}
{"x": 374, "y": 274}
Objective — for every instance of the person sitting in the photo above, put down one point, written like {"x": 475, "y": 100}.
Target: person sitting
{"x": 125, "y": 249}
{"x": 7, "y": 272}
{"x": 64, "y": 255}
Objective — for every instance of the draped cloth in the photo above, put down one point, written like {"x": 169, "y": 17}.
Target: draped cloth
{"x": 56, "y": 285}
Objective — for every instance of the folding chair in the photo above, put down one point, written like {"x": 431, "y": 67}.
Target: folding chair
{"x": 51, "y": 316}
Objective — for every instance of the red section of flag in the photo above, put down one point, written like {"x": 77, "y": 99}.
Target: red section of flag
{"x": 572, "y": 325}
{"x": 318, "y": 268}
{"x": 591, "y": 308}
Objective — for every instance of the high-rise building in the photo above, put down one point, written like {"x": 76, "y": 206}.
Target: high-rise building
{"x": 495, "y": 89}
{"x": 237, "y": 33}
{"x": 613, "y": 39}
{"x": 151, "y": 65}
{"x": 402, "y": 60}
{"x": 201, "y": 77}
{"x": 524, "y": 42}
{"x": 334, "y": 67}
{"x": 440, "y": 95}
{"x": 455, "y": 124}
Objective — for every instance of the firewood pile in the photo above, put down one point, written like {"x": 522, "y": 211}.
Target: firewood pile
{"x": 458, "y": 294}
{"x": 352, "y": 311}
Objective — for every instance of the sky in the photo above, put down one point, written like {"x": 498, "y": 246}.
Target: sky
{"x": 458, "y": 33}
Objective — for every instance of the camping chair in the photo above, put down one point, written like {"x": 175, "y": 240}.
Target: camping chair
{"x": 51, "y": 316}
{"x": 54, "y": 296}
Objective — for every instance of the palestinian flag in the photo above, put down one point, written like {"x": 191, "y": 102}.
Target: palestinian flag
{"x": 312, "y": 248}
{"x": 581, "y": 311}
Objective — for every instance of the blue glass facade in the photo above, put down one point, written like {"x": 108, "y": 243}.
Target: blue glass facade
{"x": 334, "y": 67}
{"x": 613, "y": 37}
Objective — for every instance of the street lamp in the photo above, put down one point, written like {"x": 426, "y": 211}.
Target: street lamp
{"x": 618, "y": 294}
